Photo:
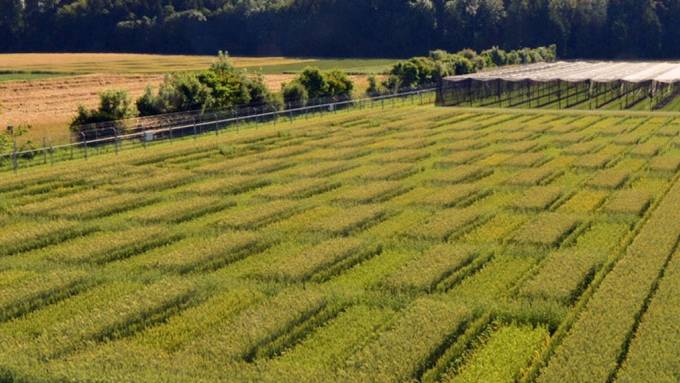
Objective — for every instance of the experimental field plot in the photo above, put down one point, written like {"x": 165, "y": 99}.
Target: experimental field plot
{"x": 409, "y": 244}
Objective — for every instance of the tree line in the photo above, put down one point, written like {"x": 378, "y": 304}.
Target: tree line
{"x": 342, "y": 28}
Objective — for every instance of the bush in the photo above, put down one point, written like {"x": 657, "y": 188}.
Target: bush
{"x": 114, "y": 105}
{"x": 218, "y": 88}
{"x": 419, "y": 71}
{"x": 468, "y": 53}
{"x": 226, "y": 89}
{"x": 314, "y": 81}
{"x": 464, "y": 66}
{"x": 148, "y": 104}
{"x": 260, "y": 96}
{"x": 513, "y": 58}
{"x": 320, "y": 87}
{"x": 375, "y": 87}
{"x": 339, "y": 86}
{"x": 7, "y": 141}
{"x": 294, "y": 95}
{"x": 414, "y": 72}
{"x": 497, "y": 56}
{"x": 185, "y": 91}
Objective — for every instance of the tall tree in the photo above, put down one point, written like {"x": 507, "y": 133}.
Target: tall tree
{"x": 11, "y": 22}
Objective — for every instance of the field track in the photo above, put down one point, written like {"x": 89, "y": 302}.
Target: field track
{"x": 410, "y": 243}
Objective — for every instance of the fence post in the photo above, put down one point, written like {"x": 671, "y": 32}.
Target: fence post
{"x": 195, "y": 133}
{"x": 51, "y": 153}
{"x": 44, "y": 151}
{"x": 115, "y": 139}
{"x": 85, "y": 142}
{"x": 15, "y": 164}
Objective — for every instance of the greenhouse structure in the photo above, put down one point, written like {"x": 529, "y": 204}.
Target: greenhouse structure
{"x": 563, "y": 84}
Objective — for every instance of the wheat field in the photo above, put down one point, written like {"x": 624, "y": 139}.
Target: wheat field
{"x": 410, "y": 243}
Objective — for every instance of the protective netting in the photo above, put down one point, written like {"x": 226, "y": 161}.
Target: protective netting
{"x": 665, "y": 72}
{"x": 578, "y": 84}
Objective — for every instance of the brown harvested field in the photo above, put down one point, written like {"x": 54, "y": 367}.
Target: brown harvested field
{"x": 45, "y": 89}
{"x": 49, "y": 104}
{"x": 125, "y": 62}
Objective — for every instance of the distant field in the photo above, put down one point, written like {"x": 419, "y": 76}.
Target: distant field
{"x": 410, "y": 244}
{"x": 23, "y": 76}
{"x": 45, "y": 89}
{"x": 114, "y": 63}
{"x": 352, "y": 66}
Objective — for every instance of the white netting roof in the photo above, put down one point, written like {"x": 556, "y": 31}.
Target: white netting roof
{"x": 577, "y": 71}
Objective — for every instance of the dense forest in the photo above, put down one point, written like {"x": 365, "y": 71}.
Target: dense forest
{"x": 388, "y": 28}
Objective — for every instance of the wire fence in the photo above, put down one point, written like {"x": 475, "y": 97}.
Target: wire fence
{"x": 178, "y": 126}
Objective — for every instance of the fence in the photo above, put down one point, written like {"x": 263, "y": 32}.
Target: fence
{"x": 557, "y": 94}
{"x": 175, "y": 127}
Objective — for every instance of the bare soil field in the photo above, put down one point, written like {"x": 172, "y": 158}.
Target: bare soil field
{"x": 48, "y": 105}
{"x": 126, "y": 63}
{"x": 45, "y": 89}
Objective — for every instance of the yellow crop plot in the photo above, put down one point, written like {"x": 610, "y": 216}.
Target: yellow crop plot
{"x": 431, "y": 245}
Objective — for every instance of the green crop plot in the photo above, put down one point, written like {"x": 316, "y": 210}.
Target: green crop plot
{"x": 410, "y": 243}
